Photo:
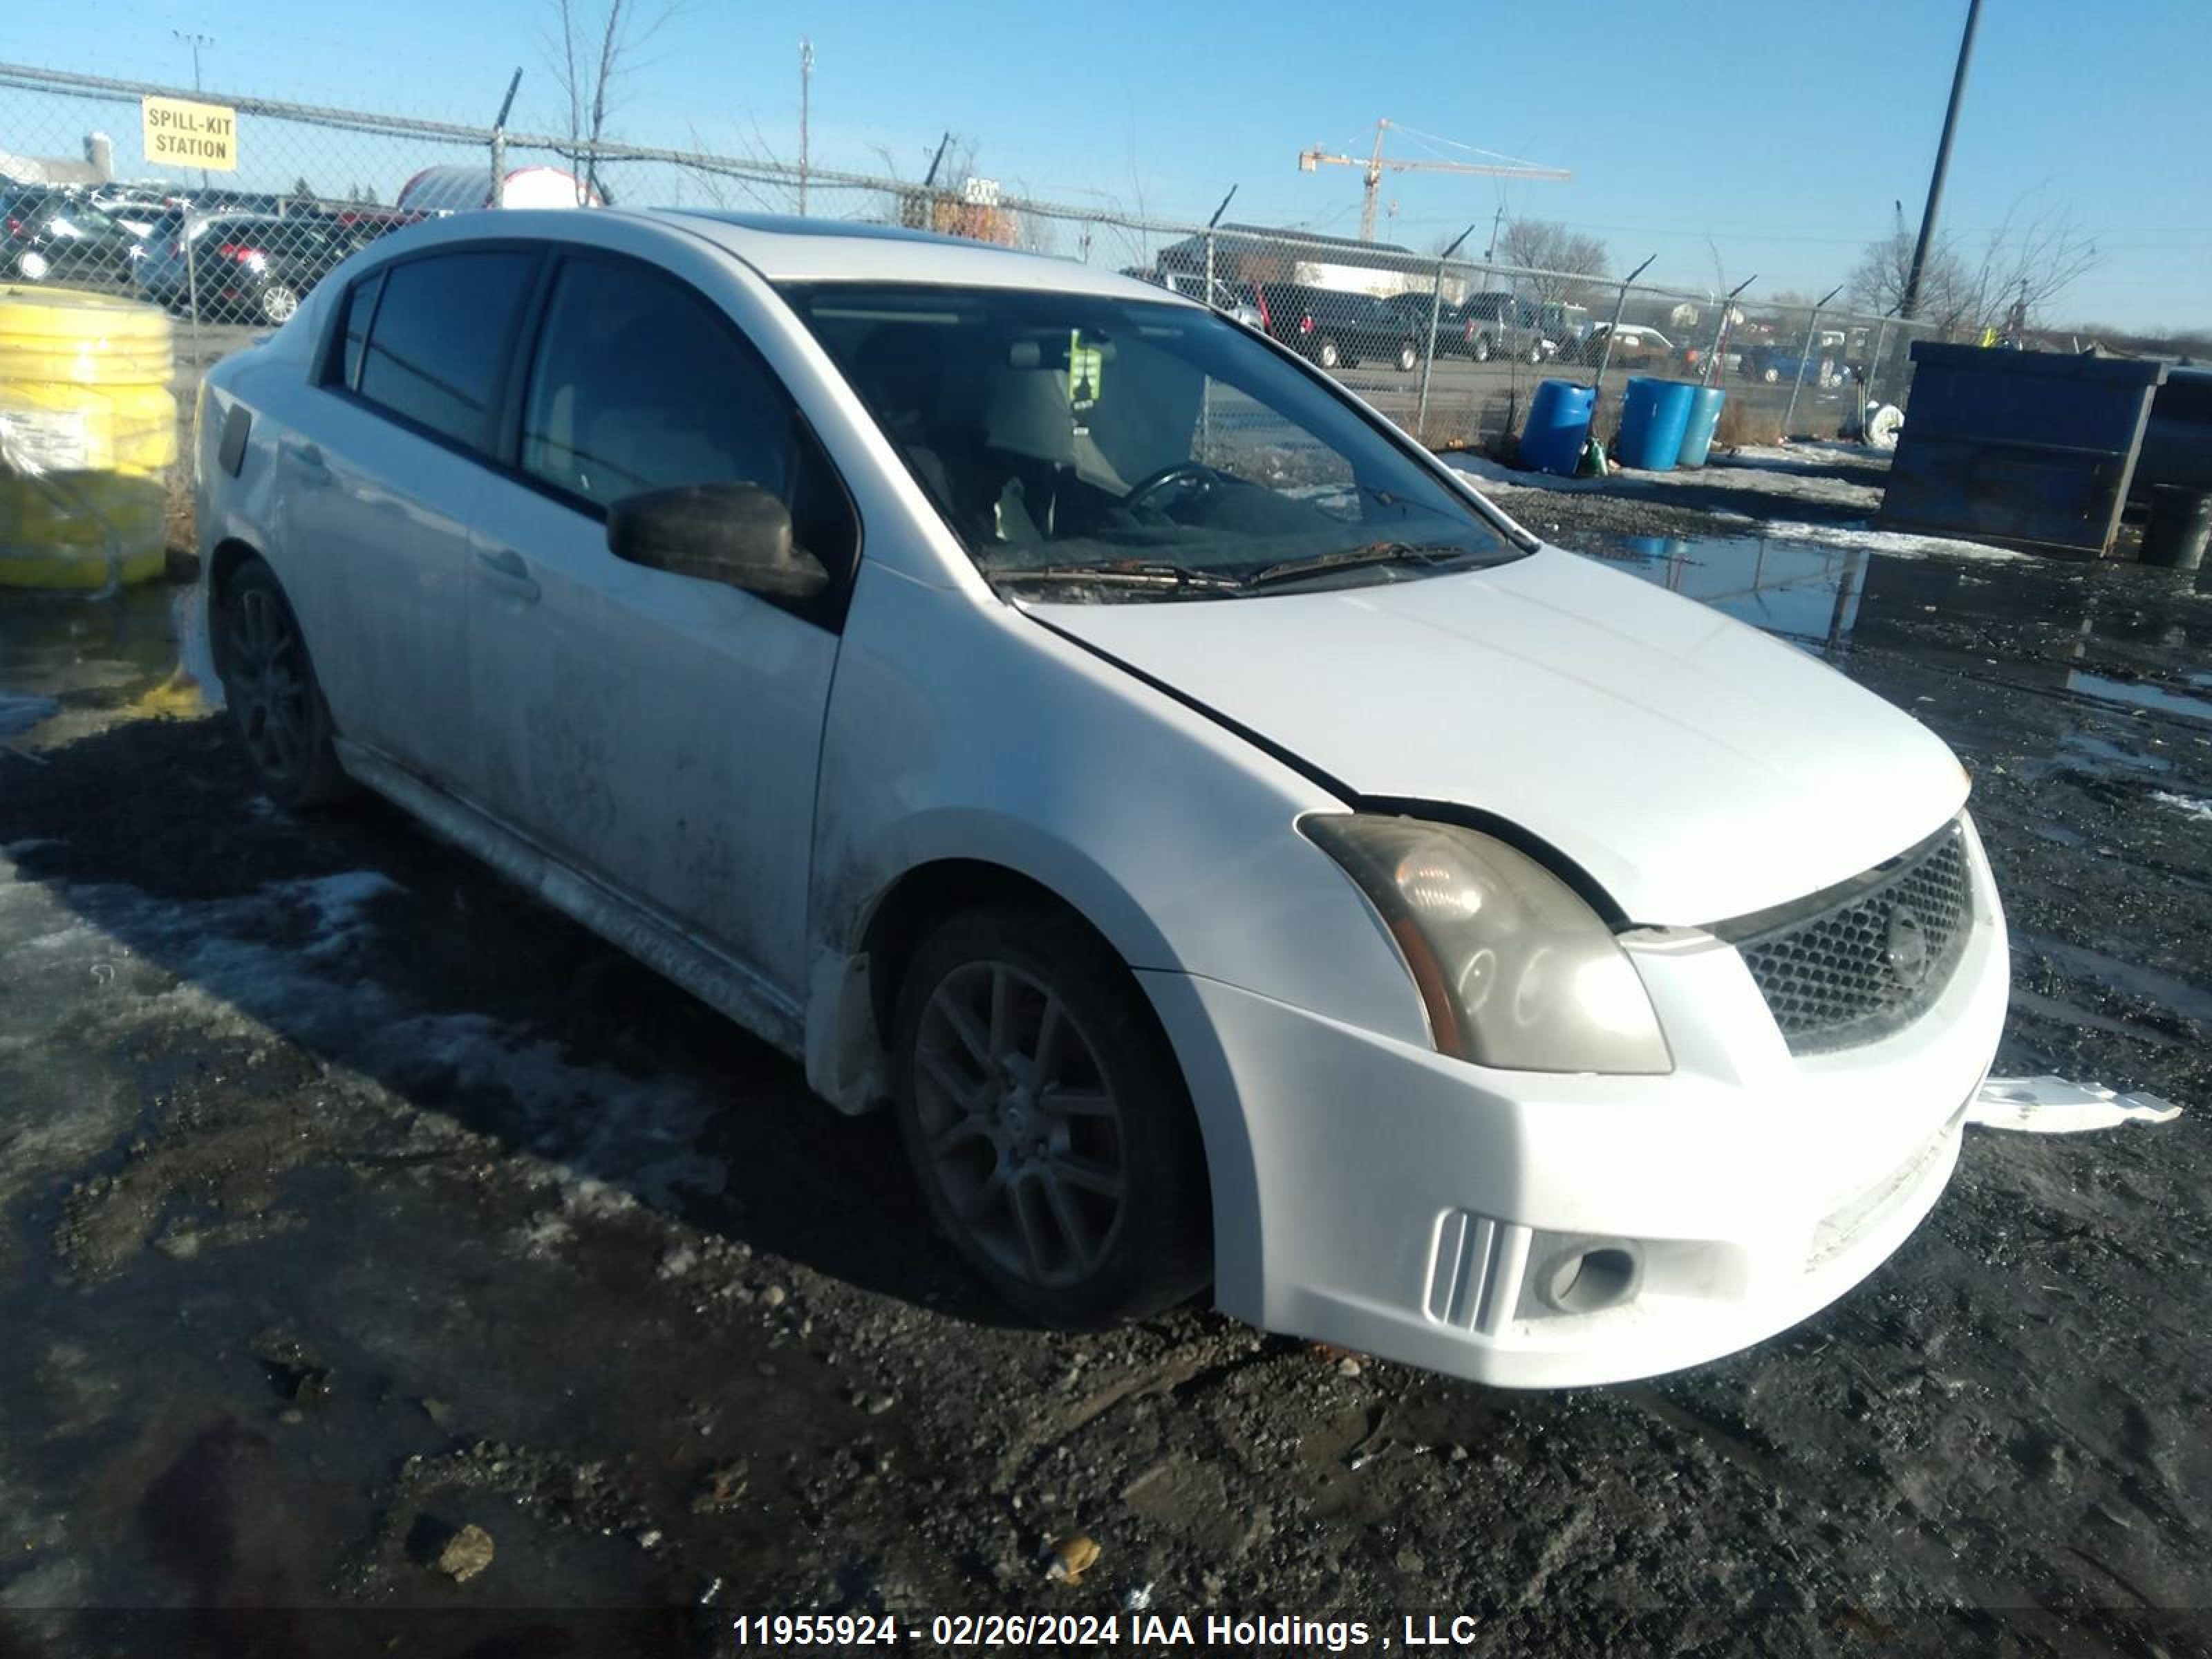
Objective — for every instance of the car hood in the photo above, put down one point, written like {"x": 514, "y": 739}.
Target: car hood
{"x": 1695, "y": 767}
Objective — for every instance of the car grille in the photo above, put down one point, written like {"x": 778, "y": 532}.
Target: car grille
{"x": 1858, "y": 962}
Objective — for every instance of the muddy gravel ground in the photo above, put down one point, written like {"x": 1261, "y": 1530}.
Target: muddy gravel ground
{"x": 350, "y": 1201}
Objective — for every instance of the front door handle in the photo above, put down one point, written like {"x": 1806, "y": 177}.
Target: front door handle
{"x": 504, "y": 568}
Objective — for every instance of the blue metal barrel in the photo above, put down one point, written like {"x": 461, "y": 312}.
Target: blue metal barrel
{"x": 1559, "y": 422}
{"x": 1653, "y": 415}
{"x": 1704, "y": 416}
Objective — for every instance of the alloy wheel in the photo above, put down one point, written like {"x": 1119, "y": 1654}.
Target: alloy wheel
{"x": 266, "y": 683}
{"x": 1019, "y": 1126}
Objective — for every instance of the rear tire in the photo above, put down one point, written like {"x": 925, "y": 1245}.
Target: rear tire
{"x": 1480, "y": 352}
{"x": 1326, "y": 355}
{"x": 276, "y": 703}
{"x": 278, "y": 302}
{"x": 1407, "y": 358}
{"x": 1047, "y": 1121}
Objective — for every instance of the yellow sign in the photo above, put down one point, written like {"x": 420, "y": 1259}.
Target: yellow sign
{"x": 180, "y": 133}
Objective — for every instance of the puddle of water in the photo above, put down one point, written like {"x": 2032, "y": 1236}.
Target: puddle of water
{"x": 2137, "y": 695}
{"x": 71, "y": 665}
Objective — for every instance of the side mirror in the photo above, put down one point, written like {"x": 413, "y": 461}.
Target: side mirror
{"x": 738, "y": 535}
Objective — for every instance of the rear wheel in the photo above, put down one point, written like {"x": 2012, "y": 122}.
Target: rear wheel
{"x": 1481, "y": 352}
{"x": 1047, "y": 1121}
{"x": 278, "y": 301}
{"x": 275, "y": 702}
{"x": 1407, "y": 356}
{"x": 1326, "y": 355}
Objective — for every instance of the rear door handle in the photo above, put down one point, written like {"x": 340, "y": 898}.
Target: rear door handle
{"x": 309, "y": 458}
{"x": 504, "y": 568}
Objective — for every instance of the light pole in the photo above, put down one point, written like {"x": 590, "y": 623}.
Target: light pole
{"x": 195, "y": 42}
{"x": 1920, "y": 249}
{"x": 805, "y": 86}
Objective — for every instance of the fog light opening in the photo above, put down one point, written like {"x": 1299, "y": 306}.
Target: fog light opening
{"x": 1590, "y": 1280}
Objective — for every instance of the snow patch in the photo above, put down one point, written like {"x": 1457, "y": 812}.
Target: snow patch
{"x": 2185, "y": 804}
{"x": 1897, "y": 544}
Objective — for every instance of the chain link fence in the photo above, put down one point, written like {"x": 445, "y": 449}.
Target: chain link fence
{"x": 1451, "y": 349}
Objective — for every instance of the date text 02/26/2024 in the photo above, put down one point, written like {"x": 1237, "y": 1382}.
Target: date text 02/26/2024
{"x": 1072, "y": 1629}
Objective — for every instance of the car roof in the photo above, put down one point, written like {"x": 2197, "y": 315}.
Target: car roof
{"x": 787, "y": 249}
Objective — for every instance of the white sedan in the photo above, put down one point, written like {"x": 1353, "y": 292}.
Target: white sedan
{"x": 1237, "y": 853}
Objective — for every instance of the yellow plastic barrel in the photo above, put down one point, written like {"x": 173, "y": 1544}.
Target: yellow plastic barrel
{"x": 88, "y": 436}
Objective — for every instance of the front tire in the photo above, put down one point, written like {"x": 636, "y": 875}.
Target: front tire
{"x": 1047, "y": 1121}
{"x": 276, "y": 703}
{"x": 1407, "y": 356}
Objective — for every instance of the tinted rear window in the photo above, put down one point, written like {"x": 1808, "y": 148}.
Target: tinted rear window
{"x": 440, "y": 339}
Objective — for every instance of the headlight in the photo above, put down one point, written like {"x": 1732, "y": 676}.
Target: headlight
{"x": 1514, "y": 968}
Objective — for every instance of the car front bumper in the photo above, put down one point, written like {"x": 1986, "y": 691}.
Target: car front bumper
{"x": 1391, "y": 1200}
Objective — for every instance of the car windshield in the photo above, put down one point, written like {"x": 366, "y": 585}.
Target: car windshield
{"x": 82, "y": 217}
{"x": 1156, "y": 447}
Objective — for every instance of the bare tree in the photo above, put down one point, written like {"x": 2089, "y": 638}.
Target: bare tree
{"x": 2030, "y": 259}
{"x": 592, "y": 43}
{"x": 1544, "y": 245}
{"x": 1878, "y": 282}
{"x": 2000, "y": 281}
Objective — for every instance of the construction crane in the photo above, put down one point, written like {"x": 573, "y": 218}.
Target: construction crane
{"x": 1311, "y": 161}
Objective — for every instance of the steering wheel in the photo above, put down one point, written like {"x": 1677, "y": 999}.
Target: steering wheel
{"x": 1181, "y": 474}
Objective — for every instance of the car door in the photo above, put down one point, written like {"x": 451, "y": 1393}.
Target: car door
{"x": 379, "y": 476}
{"x": 659, "y": 731}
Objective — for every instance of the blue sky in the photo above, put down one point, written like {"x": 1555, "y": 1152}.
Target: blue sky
{"x": 1782, "y": 133}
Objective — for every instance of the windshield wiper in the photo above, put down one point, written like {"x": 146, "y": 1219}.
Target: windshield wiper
{"x": 1128, "y": 572}
{"x": 1427, "y": 553}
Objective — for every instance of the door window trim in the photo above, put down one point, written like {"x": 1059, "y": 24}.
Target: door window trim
{"x": 503, "y": 383}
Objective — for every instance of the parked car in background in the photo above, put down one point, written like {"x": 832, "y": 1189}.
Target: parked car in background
{"x": 1633, "y": 346}
{"x": 1775, "y": 364}
{"x": 1237, "y": 301}
{"x": 243, "y": 267}
{"x": 49, "y": 235}
{"x": 1566, "y": 325}
{"x": 1234, "y": 851}
{"x": 1479, "y": 327}
{"x": 1509, "y": 325}
{"x": 1339, "y": 329}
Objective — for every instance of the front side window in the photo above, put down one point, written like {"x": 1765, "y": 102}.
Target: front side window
{"x": 440, "y": 339}
{"x": 639, "y": 384}
{"x": 1060, "y": 433}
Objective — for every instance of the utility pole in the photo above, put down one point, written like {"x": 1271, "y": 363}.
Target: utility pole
{"x": 1374, "y": 166}
{"x": 1495, "y": 220}
{"x": 1920, "y": 251}
{"x": 499, "y": 141}
{"x": 195, "y": 41}
{"x": 805, "y": 86}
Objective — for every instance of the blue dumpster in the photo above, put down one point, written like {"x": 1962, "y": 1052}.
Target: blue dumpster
{"x": 1653, "y": 415}
{"x": 1705, "y": 417}
{"x": 2030, "y": 446}
{"x": 1559, "y": 422}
